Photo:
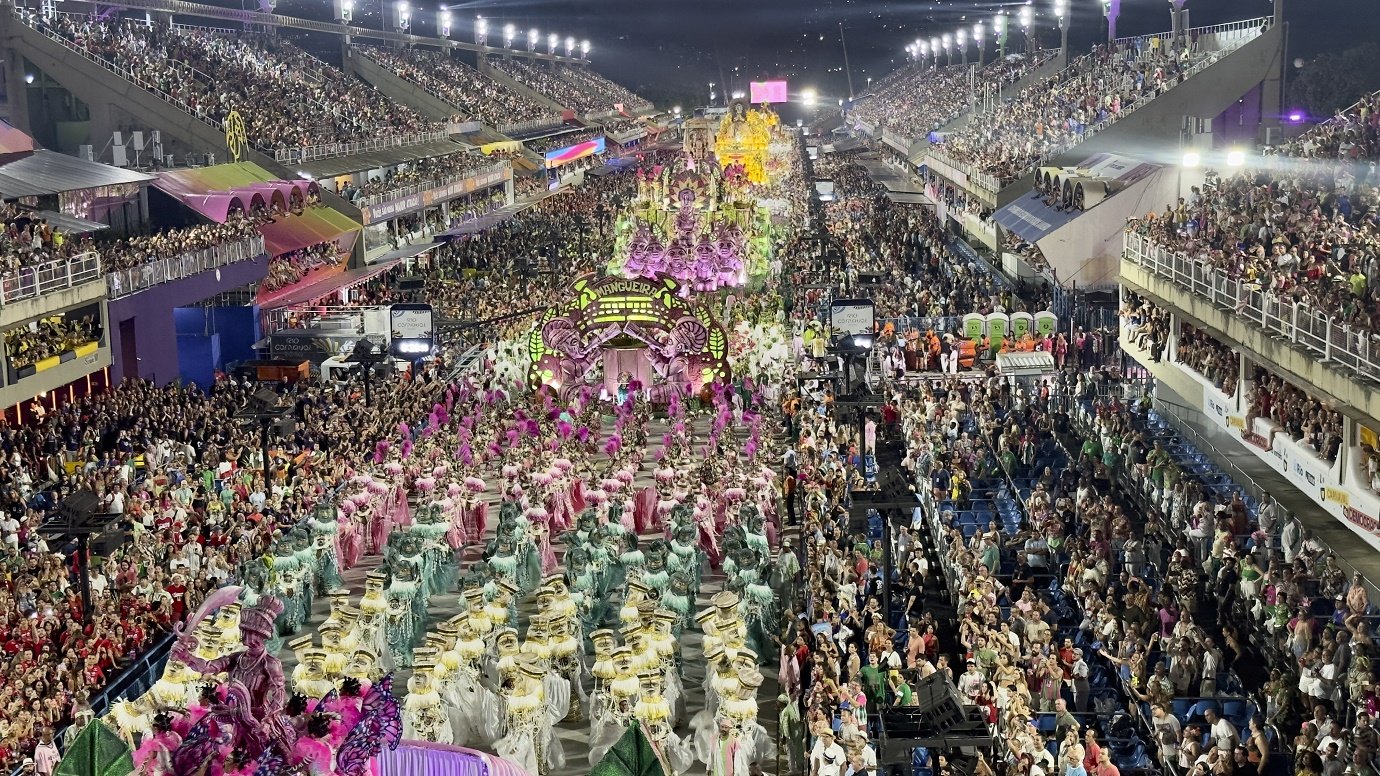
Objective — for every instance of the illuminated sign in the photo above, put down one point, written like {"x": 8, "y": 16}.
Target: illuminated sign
{"x": 412, "y": 328}
{"x": 569, "y": 154}
{"x": 768, "y": 91}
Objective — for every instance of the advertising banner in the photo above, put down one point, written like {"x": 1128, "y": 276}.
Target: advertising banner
{"x": 569, "y": 154}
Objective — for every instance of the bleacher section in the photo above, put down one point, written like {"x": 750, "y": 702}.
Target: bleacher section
{"x": 316, "y": 111}
{"x": 470, "y": 93}
{"x": 918, "y": 100}
{"x": 575, "y": 88}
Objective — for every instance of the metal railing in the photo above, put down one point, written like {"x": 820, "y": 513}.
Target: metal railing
{"x": 1305, "y": 327}
{"x": 329, "y": 150}
{"x": 132, "y": 280}
{"x": 530, "y": 125}
{"x": 435, "y": 183}
{"x": 30, "y": 282}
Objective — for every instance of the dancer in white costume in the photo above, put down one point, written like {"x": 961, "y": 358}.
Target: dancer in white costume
{"x": 530, "y": 740}
{"x": 424, "y": 714}
{"x": 372, "y": 627}
{"x": 477, "y": 719}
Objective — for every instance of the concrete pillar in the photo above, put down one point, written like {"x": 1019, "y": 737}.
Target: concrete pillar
{"x": 509, "y": 192}
{"x": 1176, "y": 18}
{"x": 1243, "y": 365}
{"x": 16, "y": 88}
{"x": 1273, "y": 93}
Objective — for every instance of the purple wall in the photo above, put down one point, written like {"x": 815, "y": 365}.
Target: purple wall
{"x": 147, "y": 318}
{"x": 1239, "y": 124}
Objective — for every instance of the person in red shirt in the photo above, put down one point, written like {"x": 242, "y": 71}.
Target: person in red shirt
{"x": 1066, "y": 659}
{"x": 1091, "y": 751}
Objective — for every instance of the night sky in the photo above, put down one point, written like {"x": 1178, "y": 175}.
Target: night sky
{"x": 669, "y": 50}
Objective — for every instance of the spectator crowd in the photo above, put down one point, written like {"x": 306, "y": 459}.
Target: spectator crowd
{"x": 286, "y": 98}
{"x": 1051, "y": 115}
{"x": 920, "y": 99}
{"x": 576, "y": 88}
{"x": 431, "y": 172}
{"x": 1102, "y": 598}
{"x": 1299, "y": 225}
{"x": 474, "y": 94}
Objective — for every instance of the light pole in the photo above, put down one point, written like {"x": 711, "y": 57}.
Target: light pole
{"x": 977, "y": 41}
{"x": 948, "y": 49}
{"x": 1176, "y": 18}
{"x": 532, "y": 38}
{"x": 552, "y": 41}
{"x": 847, "y": 69}
{"x": 509, "y": 30}
{"x": 934, "y": 50}
{"x": 443, "y": 24}
{"x": 1061, "y": 12}
{"x": 999, "y": 26}
{"x": 481, "y": 31}
{"x": 584, "y": 49}
{"x": 1025, "y": 26}
{"x": 1110, "y": 10}
{"x": 711, "y": 94}
{"x": 961, "y": 37}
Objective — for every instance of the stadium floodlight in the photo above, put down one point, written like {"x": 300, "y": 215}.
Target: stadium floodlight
{"x": 584, "y": 48}
{"x": 1192, "y": 159}
{"x": 509, "y": 30}
{"x": 569, "y": 46}
{"x": 532, "y": 37}
{"x": 1236, "y": 157}
{"x": 961, "y": 37}
{"x": 481, "y": 30}
{"x": 808, "y": 97}
{"x": 977, "y": 33}
{"x": 552, "y": 41}
{"x": 1025, "y": 16}
{"x": 347, "y": 11}
{"x": 404, "y": 15}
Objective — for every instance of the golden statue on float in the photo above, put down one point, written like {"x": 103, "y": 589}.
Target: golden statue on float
{"x": 743, "y": 137}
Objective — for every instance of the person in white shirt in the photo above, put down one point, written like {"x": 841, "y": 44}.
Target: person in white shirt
{"x": 9, "y": 529}
{"x": 1222, "y": 732}
{"x": 970, "y": 682}
{"x": 890, "y": 660}
{"x": 827, "y": 758}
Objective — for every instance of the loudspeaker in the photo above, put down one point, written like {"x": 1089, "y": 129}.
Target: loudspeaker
{"x": 937, "y": 702}
{"x": 413, "y": 283}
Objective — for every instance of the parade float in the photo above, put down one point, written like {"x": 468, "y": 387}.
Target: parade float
{"x": 614, "y": 332}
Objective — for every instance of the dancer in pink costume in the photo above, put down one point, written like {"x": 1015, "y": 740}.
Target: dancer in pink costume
{"x": 709, "y": 538}
{"x": 400, "y": 515}
{"x": 454, "y": 508}
{"x": 349, "y": 536}
{"x": 540, "y": 521}
{"x": 154, "y": 755}
{"x": 613, "y": 487}
{"x": 476, "y": 509}
{"x": 644, "y": 509}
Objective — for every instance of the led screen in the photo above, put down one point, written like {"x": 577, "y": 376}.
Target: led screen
{"x": 569, "y": 154}
{"x": 769, "y": 91}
